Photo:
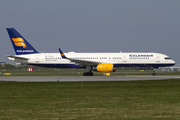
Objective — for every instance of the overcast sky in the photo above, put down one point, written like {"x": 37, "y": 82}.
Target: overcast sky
{"x": 93, "y": 25}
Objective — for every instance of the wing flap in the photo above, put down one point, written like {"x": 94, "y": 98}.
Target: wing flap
{"x": 84, "y": 62}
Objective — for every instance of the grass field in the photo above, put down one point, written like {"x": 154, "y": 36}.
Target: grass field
{"x": 79, "y": 72}
{"x": 157, "y": 100}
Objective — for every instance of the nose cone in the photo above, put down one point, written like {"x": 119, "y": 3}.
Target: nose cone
{"x": 173, "y": 62}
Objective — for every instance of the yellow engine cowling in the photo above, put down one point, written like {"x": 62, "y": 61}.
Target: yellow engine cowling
{"x": 105, "y": 68}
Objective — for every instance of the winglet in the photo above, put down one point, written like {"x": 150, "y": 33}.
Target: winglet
{"x": 62, "y": 54}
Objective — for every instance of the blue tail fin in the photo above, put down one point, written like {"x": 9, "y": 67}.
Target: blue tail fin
{"x": 21, "y": 46}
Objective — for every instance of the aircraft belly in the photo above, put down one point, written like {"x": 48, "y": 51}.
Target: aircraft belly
{"x": 58, "y": 65}
{"x": 20, "y": 60}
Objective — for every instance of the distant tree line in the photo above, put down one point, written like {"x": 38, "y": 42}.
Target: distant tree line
{"x": 12, "y": 67}
{"x": 7, "y": 67}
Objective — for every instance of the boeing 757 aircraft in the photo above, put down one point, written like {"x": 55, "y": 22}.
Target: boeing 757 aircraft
{"x": 100, "y": 62}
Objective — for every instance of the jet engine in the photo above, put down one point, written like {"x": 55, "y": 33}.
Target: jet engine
{"x": 104, "y": 68}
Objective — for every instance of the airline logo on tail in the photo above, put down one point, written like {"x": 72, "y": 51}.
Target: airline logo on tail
{"x": 19, "y": 42}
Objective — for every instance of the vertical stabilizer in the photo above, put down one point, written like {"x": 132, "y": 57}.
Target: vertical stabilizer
{"x": 21, "y": 46}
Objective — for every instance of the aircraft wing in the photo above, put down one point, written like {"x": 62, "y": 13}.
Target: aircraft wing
{"x": 79, "y": 62}
{"x": 17, "y": 57}
{"x": 84, "y": 62}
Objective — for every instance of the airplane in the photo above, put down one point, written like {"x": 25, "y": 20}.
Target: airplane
{"x": 100, "y": 62}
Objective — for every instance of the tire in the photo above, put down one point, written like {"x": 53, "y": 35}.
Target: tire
{"x": 84, "y": 74}
{"x": 90, "y": 74}
{"x": 154, "y": 74}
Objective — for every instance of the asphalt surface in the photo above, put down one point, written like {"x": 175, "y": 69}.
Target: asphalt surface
{"x": 83, "y": 78}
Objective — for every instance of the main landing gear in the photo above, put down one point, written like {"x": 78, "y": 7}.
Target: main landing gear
{"x": 154, "y": 73}
{"x": 87, "y": 74}
{"x": 88, "y": 71}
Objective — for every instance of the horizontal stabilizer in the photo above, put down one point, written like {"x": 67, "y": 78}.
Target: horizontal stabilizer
{"x": 17, "y": 57}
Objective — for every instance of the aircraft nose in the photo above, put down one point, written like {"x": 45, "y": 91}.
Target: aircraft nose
{"x": 173, "y": 62}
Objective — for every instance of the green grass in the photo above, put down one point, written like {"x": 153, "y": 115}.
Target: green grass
{"x": 78, "y": 72}
{"x": 91, "y": 100}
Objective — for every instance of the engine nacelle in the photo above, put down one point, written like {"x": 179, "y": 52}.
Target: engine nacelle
{"x": 104, "y": 68}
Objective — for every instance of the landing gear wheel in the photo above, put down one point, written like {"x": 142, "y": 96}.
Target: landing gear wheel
{"x": 88, "y": 74}
{"x": 88, "y": 71}
{"x": 154, "y": 74}
{"x": 85, "y": 74}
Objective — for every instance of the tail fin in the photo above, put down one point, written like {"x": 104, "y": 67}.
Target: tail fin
{"x": 21, "y": 46}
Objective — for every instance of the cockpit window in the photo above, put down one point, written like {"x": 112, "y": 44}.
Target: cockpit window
{"x": 167, "y": 58}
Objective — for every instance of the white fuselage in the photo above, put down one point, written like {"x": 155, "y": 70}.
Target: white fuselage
{"x": 118, "y": 59}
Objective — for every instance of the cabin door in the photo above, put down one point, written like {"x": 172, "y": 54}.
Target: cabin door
{"x": 37, "y": 59}
{"x": 124, "y": 58}
{"x": 157, "y": 59}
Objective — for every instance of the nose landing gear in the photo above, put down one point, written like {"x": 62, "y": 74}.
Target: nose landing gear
{"x": 154, "y": 73}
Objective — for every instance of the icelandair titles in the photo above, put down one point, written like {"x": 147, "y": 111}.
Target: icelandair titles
{"x": 24, "y": 50}
{"x": 134, "y": 55}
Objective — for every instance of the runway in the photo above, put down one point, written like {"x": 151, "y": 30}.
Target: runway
{"x": 83, "y": 78}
